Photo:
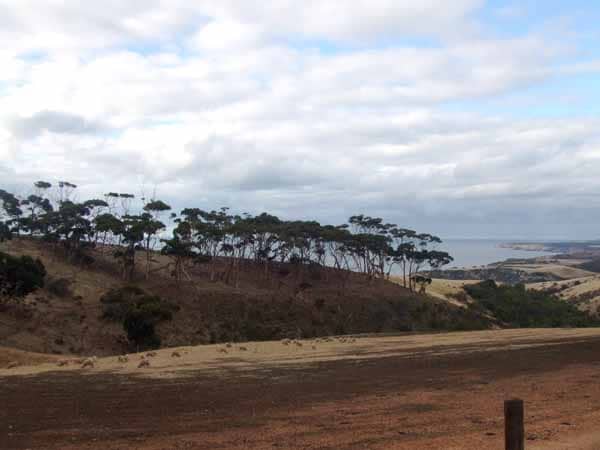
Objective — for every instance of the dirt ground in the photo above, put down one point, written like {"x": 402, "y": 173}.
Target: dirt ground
{"x": 396, "y": 392}
{"x": 442, "y": 391}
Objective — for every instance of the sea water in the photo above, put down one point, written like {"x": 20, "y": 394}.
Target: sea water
{"x": 480, "y": 252}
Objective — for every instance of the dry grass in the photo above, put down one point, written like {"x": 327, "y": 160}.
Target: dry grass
{"x": 444, "y": 289}
{"x": 562, "y": 285}
{"x": 22, "y": 358}
{"x": 260, "y": 308}
{"x": 261, "y": 355}
{"x": 572, "y": 290}
{"x": 561, "y": 271}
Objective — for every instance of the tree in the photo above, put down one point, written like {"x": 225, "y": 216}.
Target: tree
{"x": 5, "y": 233}
{"x": 11, "y": 211}
{"x": 152, "y": 227}
{"x": 64, "y": 191}
{"x": 180, "y": 251}
{"x": 223, "y": 241}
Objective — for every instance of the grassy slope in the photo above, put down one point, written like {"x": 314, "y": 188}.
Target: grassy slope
{"x": 259, "y": 309}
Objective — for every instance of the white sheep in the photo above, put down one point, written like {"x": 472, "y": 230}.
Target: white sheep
{"x": 88, "y": 363}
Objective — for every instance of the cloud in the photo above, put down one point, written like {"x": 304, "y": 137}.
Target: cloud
{"x": 301, "y": 108}
{"x": 54, "y": 122}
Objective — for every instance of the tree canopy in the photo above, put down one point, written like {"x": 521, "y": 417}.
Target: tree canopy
{"x": 365, "y": 244}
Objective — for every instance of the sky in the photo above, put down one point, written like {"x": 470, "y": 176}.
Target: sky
{"x": 463, "y": 118}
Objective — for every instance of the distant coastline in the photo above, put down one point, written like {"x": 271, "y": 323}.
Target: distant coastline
{"x": 473, "y": 253}
{"x": 563, "y": 247}
{"x": 525, "y": 262}
{"x": 528, "y": 246}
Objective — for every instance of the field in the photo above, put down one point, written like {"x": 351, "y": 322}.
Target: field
{"x": 584, "y": 292}
{"x": 389, "y": 392}
{"x": 560, "y": 270}
{"x": 448, "y": 289}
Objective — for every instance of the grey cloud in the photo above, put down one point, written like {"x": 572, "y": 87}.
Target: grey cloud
{"x": 54, "y": 122}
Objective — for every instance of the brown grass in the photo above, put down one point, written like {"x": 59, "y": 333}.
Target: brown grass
{"x": 259, "y": 309}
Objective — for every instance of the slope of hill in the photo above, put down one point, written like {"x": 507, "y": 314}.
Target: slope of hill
{"x": 65, "y": 316}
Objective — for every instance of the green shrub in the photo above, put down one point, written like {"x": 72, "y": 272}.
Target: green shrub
{"x": 139, "y": 325}
{"x": 518, "y": 307}
{"x": 60, "y": 287}
{"x": 139, "y": 312}
{"x": 20, "y": 275}
{"x": 116, "y": 302}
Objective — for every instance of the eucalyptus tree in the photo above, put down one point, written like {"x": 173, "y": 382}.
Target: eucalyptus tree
{"x": 108, "y": 226}
{"x": 180, "y": 251}
{"x": 11, "y": 212}
{"x": 152, "y": 227}
{"x": 5, "y": 233}
{"x": 132, "y": 233}
{"x": 227, "y": 242}
{"x": 64, "y": 191}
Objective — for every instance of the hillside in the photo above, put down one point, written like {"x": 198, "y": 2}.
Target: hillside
{"x": 65, "y": 317}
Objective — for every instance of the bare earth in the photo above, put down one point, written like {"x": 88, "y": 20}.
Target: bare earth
{"x": 438, "y": 391}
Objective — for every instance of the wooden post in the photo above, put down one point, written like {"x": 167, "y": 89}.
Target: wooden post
{"x": 514, "y": 429}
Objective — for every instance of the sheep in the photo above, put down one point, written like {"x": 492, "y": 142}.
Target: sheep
{"x": 285, "y": 341}
{"x": 298, "y": 343}
{"x": 123, "y": 358}
{"x": 243, "y": 349}
{"x": 88, "y": 363}
{"x": 62, "y": 363}
{"x": 228, "y": 345}
{"x": 151, "y": 354}
{"x": 144, "y": 363}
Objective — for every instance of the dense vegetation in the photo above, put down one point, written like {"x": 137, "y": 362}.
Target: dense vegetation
{"x": 592, "y": 266}
{"x": 20, "y": 275}
{"x": 139, "y": 312}
{"x": 516, "y": 306}
{"x": 365, "y": 244}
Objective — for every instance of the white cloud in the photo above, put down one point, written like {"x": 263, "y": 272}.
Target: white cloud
{"x": 242, "y": 103}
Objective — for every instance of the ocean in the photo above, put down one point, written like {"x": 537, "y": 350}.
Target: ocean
{"x": 480, "y": 252}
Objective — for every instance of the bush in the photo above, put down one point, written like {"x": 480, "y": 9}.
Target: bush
{"x": 60, "y": 287}
{"x": 116, "y": 302}
{"x": 20, "y": 275}
{"x": 139, "y": 326}
{"x": 518, "y": 307}
{"x": 139, "y": 312}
